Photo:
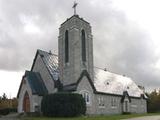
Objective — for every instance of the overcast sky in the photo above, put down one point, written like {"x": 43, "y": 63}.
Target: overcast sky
{"x": 125, "y": 35}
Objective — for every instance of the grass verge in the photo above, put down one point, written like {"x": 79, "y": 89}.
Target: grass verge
{"x": 110, "y": 117}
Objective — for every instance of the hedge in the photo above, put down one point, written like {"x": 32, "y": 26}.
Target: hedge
{"x": 63, "y": 104}
{"x": 6, "y": 111}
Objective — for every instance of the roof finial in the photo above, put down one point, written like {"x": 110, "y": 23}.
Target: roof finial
{"x": 74, "y": 7}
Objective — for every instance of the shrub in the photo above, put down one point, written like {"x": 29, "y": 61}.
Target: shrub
{"x": 4, "y": 111}
{"x": 126, "y": 113}
{"x": 12, "y": 109}
{"x": 63, "y": 104}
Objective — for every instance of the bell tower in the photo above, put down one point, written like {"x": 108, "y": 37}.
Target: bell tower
{"x": 75, "y": 47}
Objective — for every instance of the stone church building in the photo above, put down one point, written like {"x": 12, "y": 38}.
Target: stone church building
{"x": 73, "y": 70}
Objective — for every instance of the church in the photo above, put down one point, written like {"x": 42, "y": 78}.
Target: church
{"x": 73, "y": 70}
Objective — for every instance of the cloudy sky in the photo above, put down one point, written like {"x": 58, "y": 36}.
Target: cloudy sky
{"x": 125, "y": 33}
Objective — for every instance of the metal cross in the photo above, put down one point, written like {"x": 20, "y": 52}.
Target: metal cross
{"x": 74, "y": 7}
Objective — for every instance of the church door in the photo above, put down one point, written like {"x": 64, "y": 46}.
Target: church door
{"x": 26, "y": 103}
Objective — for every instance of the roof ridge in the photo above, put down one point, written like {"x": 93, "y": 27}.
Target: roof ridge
{"x": 110, "y": 71}
{"x": 76, "y": 16}
{"x": 39, "y": 50}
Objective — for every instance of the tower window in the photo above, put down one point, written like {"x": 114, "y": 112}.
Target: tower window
{"x": 83, "y": 46}
{"x": 66, "y": 47}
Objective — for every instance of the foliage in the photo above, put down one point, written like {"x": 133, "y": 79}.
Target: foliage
{"x": 14, "y": 103}
{"x": 126, "y": 113}
{"x": 154, "y": 101}
{"x": 4, "y": 96}
{"x": 7, "y": 105}
{"x": 4, "y": 111}
{"x": 63, "y": 104}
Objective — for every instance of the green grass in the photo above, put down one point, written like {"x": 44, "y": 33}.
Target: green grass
{"x": 111, "y": 117}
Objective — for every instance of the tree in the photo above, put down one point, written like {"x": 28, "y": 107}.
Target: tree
{"x": 154, "y": 101}
{"x": 4, "y": 96}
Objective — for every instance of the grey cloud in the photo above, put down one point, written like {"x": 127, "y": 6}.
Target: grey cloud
{"x": 119, "y": 44}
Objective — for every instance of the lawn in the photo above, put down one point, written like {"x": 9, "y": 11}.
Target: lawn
{"x": 111, "y": 117}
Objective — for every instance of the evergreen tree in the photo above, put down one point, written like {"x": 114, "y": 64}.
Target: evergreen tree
{"x": 4, "y": 96}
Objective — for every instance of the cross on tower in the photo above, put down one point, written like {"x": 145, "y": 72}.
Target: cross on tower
{"x": 74, "y": 7}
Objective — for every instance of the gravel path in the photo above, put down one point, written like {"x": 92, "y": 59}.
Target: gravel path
{"x": 146, "y": 118}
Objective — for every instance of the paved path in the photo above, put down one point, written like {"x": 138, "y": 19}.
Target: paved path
{"x": 146, "y": 118}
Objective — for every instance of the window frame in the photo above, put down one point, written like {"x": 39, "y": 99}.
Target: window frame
{"x": 83, "y": 46}
{"x": 66, "y": 45}
{"x": 101, "y": 102}
{"x": 113, "y": 103}
{"x": 87, "y": 96}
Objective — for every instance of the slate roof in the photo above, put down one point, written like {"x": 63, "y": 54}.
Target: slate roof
{"x": 51, "y": 62}
{"x": 107, "y": 82}
{"x": 104, "y": 81}
{"x": 36, "y": 83}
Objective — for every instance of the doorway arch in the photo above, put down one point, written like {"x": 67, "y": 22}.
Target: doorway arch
{"x": 26, "y": 102}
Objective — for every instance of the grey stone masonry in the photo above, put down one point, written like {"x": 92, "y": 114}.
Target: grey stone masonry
{"x": 70, "y": 71}
{"x": 40, "y": 67}
{"x": 103, "y": 104}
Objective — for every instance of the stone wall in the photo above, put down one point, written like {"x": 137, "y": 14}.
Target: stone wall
{"x": 25, "y": 88}
{"x": 84, "y": 86}
{"x": 40, "y": 67}
{"x": 104, "y": 104}
{"x": 138, "y": 105}
{"x": 70, "y": 72}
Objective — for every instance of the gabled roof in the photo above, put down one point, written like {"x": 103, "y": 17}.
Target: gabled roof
{"x": 35, "y": 82}
{"x": 51, "y": 62}
{"x": 73, "y": 87}
{"x": 125, "y": 94}
{"x": 107, "y": 82}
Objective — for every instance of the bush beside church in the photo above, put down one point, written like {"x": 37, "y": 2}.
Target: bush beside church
{"x": 63, "y": 104}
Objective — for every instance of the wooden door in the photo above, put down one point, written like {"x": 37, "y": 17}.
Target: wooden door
{"x": 26, "y": 103}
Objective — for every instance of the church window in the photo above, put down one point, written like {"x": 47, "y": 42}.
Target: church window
{"x": 83, "y": 39}
{"x": 101, "y": 102}
{"x": 113, "y": 102}
{"x": 126, "y": 106}
{"x": 37, "y": 108}
{"x": 66, "y": 47}
{"x": 86, "y": 97}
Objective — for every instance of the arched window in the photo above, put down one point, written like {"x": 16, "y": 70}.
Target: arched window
{"x": 83, "y": 38}
{"x": 86, "y": 97}
{"x": 126, "y": 105}
{"x": 66, "y": 47}
{"x": 101, "y": 102}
